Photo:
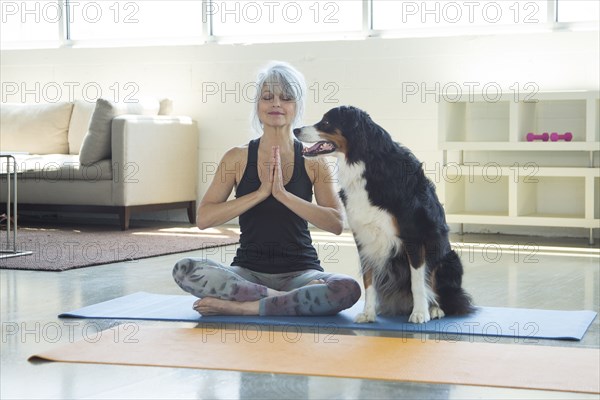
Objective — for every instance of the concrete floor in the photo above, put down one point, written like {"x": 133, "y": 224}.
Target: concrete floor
{"x": 523, "y": 272}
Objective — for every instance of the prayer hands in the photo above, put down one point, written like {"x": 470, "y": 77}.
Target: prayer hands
{"x": 278, "y": 190}
{"x": 273, "y": 184}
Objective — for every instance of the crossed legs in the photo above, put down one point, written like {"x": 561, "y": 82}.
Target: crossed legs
{"x": 238, "y": 291}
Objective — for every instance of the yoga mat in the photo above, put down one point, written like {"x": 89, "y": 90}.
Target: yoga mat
{"x": 487, "y": 321}
{"x": 365, "y": 357}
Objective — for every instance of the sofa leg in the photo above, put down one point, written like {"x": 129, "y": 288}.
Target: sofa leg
{"x": 124, "y": 215}
{"x": 191, "y": 212}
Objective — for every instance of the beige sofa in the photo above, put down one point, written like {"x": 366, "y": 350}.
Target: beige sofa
{"x": 100, "y": 157}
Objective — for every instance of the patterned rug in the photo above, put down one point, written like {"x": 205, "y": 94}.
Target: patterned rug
{"x": 63, "y": 247}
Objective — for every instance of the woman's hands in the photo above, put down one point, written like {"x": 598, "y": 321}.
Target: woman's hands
{"x": 272, "y": 183}
{"x": 278, "y": 190}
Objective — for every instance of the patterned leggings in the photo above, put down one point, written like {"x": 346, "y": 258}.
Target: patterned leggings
{"x": 206, "y": 278}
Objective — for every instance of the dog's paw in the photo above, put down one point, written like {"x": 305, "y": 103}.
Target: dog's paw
{"x": 419, "y": 317}
{"x": 363, "y": 318}
{"x": 436, "y": 312}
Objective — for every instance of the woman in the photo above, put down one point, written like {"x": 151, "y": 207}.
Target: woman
{"x": 276, "y": 270}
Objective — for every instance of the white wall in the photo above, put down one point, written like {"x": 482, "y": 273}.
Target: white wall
{"x": 370, "y": 74}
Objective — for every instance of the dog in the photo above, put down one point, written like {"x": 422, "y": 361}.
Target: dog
{"x": 399, "y": 225}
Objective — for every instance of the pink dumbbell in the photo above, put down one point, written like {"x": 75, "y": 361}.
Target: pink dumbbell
{"x": 532, "y": 136}
{"x": 567, "y": 137}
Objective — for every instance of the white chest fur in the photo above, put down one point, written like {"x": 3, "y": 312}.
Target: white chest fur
{"x": 373, "y": 227}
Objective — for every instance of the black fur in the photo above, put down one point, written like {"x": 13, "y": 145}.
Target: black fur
{"x": 396, "y": 182}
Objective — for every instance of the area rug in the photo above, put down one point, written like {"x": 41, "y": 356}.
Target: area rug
{"x": 59, "y": 248}
{"x": 365, "y": 357}
{"x": 526, "y": 324}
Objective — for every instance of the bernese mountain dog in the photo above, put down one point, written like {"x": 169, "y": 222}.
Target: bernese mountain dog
{"x": 398, "y": 223}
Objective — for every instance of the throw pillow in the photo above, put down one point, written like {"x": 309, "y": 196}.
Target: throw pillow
{"x": 96, "y": 144}
{"x": 166, "y": 107}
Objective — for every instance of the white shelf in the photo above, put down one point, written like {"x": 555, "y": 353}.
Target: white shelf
{"x": 533, "y": 220}
{"x": 456, "y": 172}
{"x": 559, "y": 185}
{"x": 520, "y": 146}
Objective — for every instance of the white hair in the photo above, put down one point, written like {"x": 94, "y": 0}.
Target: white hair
{"x": 292, "y": 84}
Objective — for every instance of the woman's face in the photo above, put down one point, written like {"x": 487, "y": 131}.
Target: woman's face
{"x": 275, "y": 108}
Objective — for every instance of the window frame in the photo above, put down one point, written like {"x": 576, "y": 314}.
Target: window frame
{"x": 367, "y": 31}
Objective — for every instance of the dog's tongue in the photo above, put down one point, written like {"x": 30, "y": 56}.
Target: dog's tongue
{"x": 312, "y": 149}
{"x": 318, "y": 147}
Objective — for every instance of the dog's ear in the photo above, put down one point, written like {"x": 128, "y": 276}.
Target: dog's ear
{"x": 351, "y": 122}
{"x": 354, "y": 125}
{"x": 352, "y": 117}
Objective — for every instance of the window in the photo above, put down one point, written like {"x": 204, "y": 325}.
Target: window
{"x": 578, "y": 10}
{"x": 241, "y": 18}
{"x": 146, "y": 19}
{"x": 31, "y": 21}
{"x": 390, "y": 14}
{"x": 28, "y": 23}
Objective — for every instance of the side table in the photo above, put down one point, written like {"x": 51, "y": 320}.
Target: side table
{"x": 10, "y": 248}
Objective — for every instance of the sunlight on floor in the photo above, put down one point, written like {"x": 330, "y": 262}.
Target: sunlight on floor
{"x": 187, "y": 231}
{"x": 531, "y": 249}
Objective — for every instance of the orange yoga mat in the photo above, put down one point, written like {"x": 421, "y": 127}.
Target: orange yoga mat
{"x": 308, "y": 353}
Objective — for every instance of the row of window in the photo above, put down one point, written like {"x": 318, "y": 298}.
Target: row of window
{"x": 66, "y": 21}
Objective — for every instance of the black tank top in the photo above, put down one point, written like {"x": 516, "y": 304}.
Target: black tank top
{"x": 273, "y": 238}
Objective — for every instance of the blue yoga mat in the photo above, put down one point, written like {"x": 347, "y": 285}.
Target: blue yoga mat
{"x": 486, "y": 321}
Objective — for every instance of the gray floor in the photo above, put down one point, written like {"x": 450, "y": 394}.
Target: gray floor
{"x": 503, "y": 271}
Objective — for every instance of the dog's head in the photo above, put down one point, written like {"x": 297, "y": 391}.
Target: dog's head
{"x": 341, "y": 130}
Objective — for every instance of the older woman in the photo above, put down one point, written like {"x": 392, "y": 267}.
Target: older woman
{"x": 276, "y": 270}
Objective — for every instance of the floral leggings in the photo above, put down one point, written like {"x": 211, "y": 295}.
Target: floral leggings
{"x": 206, "y": 278}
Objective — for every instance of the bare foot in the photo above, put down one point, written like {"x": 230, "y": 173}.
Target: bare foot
{"x": 316, "y": 282}
{"x": 214, "y": 306}
{"x": 273, "y": 292}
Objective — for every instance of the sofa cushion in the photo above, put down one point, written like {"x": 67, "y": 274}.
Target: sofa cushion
{"x": 35, "y": 128}
{"x": 58, "y": 167}
{"x": 80, "y": 122}
{"x": 96, "y": 144}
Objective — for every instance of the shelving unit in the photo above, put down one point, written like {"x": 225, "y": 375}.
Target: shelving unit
{"x": 493, "y": 175}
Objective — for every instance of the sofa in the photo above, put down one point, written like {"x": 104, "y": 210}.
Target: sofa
{"x": 100, "y": 157}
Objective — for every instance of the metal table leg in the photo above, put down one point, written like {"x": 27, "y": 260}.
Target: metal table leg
{"x": 10, "y": 249}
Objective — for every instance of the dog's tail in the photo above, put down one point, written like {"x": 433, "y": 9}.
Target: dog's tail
{"x": 452, "y": 298}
